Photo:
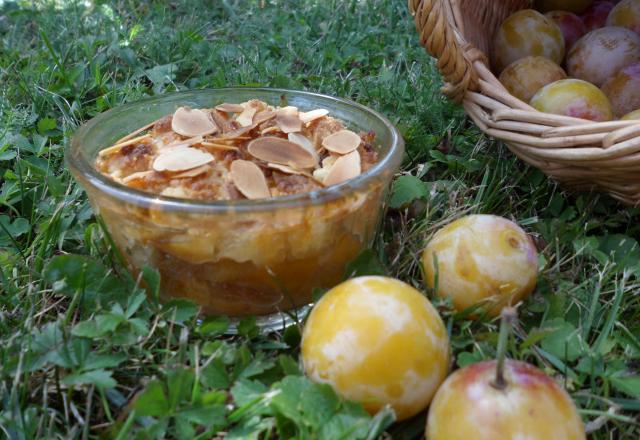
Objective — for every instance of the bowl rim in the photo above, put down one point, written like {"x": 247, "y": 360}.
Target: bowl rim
{"x": 81, "y": 167}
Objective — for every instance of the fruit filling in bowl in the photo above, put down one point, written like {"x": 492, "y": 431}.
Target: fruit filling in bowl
{"x": 243, "y": 205}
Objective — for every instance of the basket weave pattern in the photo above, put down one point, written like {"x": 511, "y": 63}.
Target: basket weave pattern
{"x": 576, "y": 152}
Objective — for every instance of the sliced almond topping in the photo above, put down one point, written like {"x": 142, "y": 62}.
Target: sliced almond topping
{"x": 230, "y": 108}
{"x": 115, "y": 148}
{"x": 192, "y": 122}
{"x": 270, "y": 129}
{"x": 287, "y": 170}
{"x": 217, "y": 146}
{"x": 181, "y": 159}
{"x": 312, "y": 115}
{"x": 263, "y": 116}
{"x": 238, "y": 132}
{"x": 288, "y": 120}
{"x": 346, "y": 167}
{"x": 277, "y": 150}
{"x": 320, "y": 174}
{"x": 245, "y": 118}
{"x": 183, "y": 143}
{"x": 138, "y": 131}
{"x": 305, "y": 143}
{"x": 328, "y": 161}
{"x": 222, "y": 121}
{"x": 249, "y": 179}
{"x": 138, "y": 175}
{"x": 342, "y": 142}
{"x": 193, "y": 173}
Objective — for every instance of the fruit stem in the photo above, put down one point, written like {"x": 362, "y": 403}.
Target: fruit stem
{"x": 508, "y": 317}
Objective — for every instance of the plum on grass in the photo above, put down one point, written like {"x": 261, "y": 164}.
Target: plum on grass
{"x": 502, "y": 400}
{"x": 377, "y": 341}
{"x": 481, "y": 260}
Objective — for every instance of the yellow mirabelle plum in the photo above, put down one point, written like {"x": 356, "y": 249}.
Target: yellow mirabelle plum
{"x": 524, "y": 77}
{"x": 527, "y": 33}
{"x": 575, "y": 98}
{"x": 481, "y": 260}
{"x": 377, "y": 341}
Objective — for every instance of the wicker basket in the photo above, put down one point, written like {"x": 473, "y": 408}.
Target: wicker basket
{"x": 576, "y": 152}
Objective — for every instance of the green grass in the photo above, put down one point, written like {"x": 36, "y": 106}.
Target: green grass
{"x": 84, "y": 353}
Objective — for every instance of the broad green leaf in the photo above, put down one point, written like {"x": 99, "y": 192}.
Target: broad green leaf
{"x": 152, "y": 401}
{"x": 564, "y": 341}
{"x": 406, "y": 189}
{"x": 100, "y": 378}
{"x": 366, "y": 263}
{"x": 627, "y": 384}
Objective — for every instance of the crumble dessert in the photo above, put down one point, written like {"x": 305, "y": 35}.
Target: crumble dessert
{"x": 232, "y": 151}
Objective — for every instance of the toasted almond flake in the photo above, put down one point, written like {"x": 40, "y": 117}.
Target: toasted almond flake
{"x": 312, "y": 115}
{"x": 192, "y": 122}
{"x": 346, "y": 167}
{"x": 230, "y": 108}
{"x": 270, "y": 129}
{"x": 289, "y": 109}
{"x": 193, "y": 173}
{"x": 342, "y": 142}
{"x": 138, "y": 131}
{"x": 287, "y": 170}
{"x": 220, "y": 146}
{"x": 305, "y": 143}
{"x": 328, "y": 161}
{"x": 174, "y": 191}
{"x": 249, "y": 179}
{"x": 184, "y": 142}
{"x": 222, "y": 121}
{"x": 288, "y": 121}
{"x": 320, "y": 174}
{"x": 245, "y": 118}
{"x": 138, "y": 175}
{"x": 237, "y": 133}
{"x": 181, "y": 159}
{"x": 277, "y": 150}
{"x": 263, "y": 116}
{"x": 115, "y": 148}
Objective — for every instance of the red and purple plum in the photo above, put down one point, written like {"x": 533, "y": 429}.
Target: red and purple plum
{"x": 570, "y": 24}
{"x": 575, "y": 6}
{"x": 623, "y": 90}
{"x": 596, "y": 16}
{"x": 527, "y": 33}
{"x": 602, "y": 53}
{"x": 524, "y": 77}
{"x": 575, "y": 98}
{"x": 530, "y": 406}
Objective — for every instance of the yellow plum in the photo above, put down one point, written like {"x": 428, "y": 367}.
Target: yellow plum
{"x": 524, "y": 77}
{"x": 626, "y": 14}
{"x": 525, "y": 33}
{"x": 631, "y": 116}
{"x": 377, "y": 341}
{"x": 481, "y": 260}
{"x": 573, "y": 97}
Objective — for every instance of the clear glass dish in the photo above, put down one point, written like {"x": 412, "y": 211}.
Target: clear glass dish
{"x": 241, "y": 257}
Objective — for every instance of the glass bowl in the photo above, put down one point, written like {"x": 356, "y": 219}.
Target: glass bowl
{"x": 240, "y": 257}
